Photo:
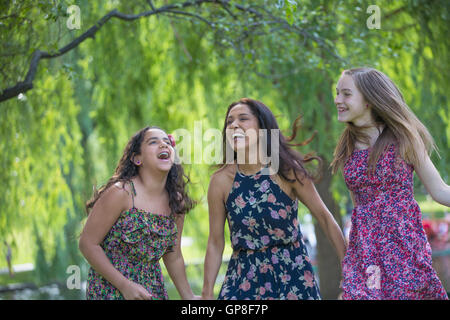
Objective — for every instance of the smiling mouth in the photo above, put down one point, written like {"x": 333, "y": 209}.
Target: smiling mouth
{"x": 238, "y": 136}
{"x": 341, "y": 109}
{"x": 165, "y": 155}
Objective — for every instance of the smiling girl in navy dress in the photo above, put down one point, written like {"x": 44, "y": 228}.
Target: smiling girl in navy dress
{"x": 269, "y": 259}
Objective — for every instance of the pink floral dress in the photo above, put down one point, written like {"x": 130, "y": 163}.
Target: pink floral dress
{"x": 388, "y": 256}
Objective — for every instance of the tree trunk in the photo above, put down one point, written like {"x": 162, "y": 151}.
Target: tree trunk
{"x": 327, "y": 259}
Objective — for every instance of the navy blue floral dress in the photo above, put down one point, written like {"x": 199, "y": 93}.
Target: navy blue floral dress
{"x": 269, "y": 259}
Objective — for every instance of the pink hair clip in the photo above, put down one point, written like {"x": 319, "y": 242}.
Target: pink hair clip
{"x": 172, "y": 140}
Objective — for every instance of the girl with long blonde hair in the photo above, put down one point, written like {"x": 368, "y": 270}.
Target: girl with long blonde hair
{"x": 382, "y": 145}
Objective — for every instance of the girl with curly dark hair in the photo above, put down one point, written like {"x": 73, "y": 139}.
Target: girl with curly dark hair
{"x": 135, "y": 219}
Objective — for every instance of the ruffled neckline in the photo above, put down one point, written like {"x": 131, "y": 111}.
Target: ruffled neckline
{"x": 136, "y": 210}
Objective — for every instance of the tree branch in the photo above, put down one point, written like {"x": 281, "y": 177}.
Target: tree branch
{"x": 27, "y": 84}
{"x": 394, "y": 12}
{"x": 260, "y": 13}
{"x": 151, "y": 4}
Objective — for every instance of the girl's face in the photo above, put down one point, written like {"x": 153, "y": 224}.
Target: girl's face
{"x": 156, "y": 151}
{"x": 350, "y": 103}
{"x": 242, "y": 127}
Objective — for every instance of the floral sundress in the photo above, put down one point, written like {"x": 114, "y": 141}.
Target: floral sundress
{"x": 269, "y": 259}
{"x": 134, "y": 245}
{"x": 388, "y": 256}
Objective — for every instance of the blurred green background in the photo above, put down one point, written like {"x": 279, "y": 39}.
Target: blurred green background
{"x": 175, "y": 67}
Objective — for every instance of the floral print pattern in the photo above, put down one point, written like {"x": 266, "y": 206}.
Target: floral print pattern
{"x": 388, "y": 256}
{"x": 269, "y": 259}
{"x": 134, "y": 245}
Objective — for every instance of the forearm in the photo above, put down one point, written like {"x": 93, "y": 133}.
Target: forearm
{"x": 433, "y": 182}
{"x": 213, "y": 260}
{"x": 98, "y": 260}
{"x": 336, "y": 237}
{"x": 442, "y": 196}
{"x": 175, "y": 266}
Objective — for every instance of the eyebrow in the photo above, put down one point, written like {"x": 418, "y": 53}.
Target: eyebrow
{"x": 156, "y": 138}
{"x": 345, "y": 89}
{"x": 241, "y": 114}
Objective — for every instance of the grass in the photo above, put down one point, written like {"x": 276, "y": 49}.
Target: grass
{"x": 19, "y": 277}
{"x": 430, "y": 208}
{"x": 194, "y": 274}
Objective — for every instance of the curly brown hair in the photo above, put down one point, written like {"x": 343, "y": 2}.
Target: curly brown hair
{"x": 176, "y": 184}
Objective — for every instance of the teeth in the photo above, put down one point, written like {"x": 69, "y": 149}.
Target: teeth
{"x": 238, "y": 135}
{"x": 163, "y": 155}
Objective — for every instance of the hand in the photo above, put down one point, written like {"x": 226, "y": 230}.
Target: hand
{"x": 191, "y": 297}
{"x": 134, "y": 291}
{"x": 340, "y": 287}
{"x": 207, "y": 297}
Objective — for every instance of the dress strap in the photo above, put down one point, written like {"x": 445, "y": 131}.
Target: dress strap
{"x": 133, "y": 191}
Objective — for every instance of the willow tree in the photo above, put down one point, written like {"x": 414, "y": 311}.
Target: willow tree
{"x": 66, "y": 113}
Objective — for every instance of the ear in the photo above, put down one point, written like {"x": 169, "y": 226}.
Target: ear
{"x": 136, "y": 159}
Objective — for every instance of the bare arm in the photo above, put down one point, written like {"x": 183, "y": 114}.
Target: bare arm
{"x": 430, "y": 177}
{"x": 309, "y": 196}
{"x": 352, "y": 196}
{"x": 174, "y": 263}
{"x": 102, "y": 217}
{"x": 216, "y": 239}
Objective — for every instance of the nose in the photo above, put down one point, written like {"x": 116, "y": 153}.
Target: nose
{"x": 338, "y": 99}
{"x": 233, "y": 125}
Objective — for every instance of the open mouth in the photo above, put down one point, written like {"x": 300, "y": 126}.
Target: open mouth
{"x": 238, "y": 136}
{"x": 341, "y": 109}
{"x": 164, "y": 155}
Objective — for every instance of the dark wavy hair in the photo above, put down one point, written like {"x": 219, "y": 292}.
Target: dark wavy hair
{"x": 176, "y": 184}
{"x": 289, "y": 159}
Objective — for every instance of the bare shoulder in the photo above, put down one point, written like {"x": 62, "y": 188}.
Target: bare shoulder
{"x": 224, "y": 173}
{"x": 122, "y": 186}
{"x": 221, "y": 181}
{"x": 117, "y": 196}
{"x": 107, "y": 209}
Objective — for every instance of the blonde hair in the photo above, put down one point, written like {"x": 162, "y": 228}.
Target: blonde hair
{"x": 388, "y": 108}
